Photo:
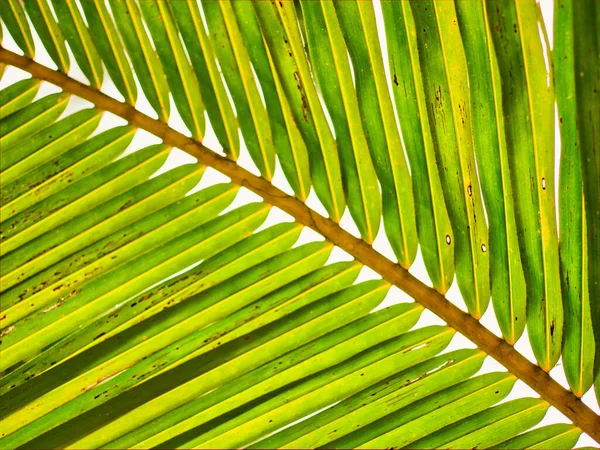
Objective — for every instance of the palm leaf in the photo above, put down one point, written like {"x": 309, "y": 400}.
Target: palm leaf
{"x": 506, "y": 271}
{"x": 80, "y": 41}
{"x": 577, "y": 21}
{"x": 435, "y": 231}
{"x": 17, "y": 95}
{"x": 278, "y": 24}
{"x": 531, "y": 158}
{"x": 145, "y": 306}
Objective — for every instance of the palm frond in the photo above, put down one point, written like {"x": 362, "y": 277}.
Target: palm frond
{"x": 145, "y": 306}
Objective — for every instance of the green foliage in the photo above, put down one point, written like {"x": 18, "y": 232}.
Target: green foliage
{"x": 140, "y": 310}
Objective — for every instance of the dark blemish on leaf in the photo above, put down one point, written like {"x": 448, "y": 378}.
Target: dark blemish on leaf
{"x": 395, "y": 80}
{"x": 544, "y": 184}
{"x": 448, "y": 239}
{"x": 302, "y": 96}
{"x": 469, "y": 190}
{"x": 99, "y": 336}
{"x": 552, "y": 328}
{"x": 483, "y": 248}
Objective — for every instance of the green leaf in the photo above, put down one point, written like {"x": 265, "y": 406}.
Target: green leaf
{"x": 141, "y": 309}
{"x": 83, "y": 159}
{"x": 80, "y": 41}
{"x": 182, "y": 81}
{"x": 237, "y": 71}
{"x": 211, "y": 84}
{"x": 278, "y": 24}
{"x": 16, "y": 22}
{"x": 489, "y": 139}
{"x": 189, "y": 343}
{"x": 587, "y": 57}
{"x": 60, "y": 137}
{"x": 434, "y": 229}
{"x": 27, "y": 121}
{"x": 205, "y": 241}
{"x": 81, "y": 197}
{"x": 329, "y": 57}
{"x": 578, "y": 345}
{"x": 126, "y": 316}
{"x": 97, "y": 232}
{"x": 358, "y": 23}
{"x": 337, "y": 382}
{"x": 490, "y": 427}
{"x": 17, "y": 96}
{"x": 281, "y": 305}
{"x": 110, "y": 48}
{"x": 142, "y": 55}
{"x": 432, "y": 413}
{"x": 551, "y": 436}
{"x": 529, "y": 116}
{"x": 446, "y": 87}
{"x": 40, "y": 14}
{"x": 289, "y": 144}
{"x": 388, "y": 395}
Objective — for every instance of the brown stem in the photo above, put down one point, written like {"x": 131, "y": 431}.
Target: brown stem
{"x": 563, "y": 400}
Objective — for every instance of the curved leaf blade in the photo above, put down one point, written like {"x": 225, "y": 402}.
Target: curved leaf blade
{"x": 16, "y": 22}
{"x": 433, "y": 225}
{"x": 446, "y": 87}
{"x": 329, "y": 57}
{"x": 278, "y": 24}
{"x": 210, "y": 80}
{"x": 17, "y": 96}
{"x": 182, "y": 80}
{"x": 80, "y": 41}
{"x": 506, "y": 270}
{"x": 143, "y": 57}
{"x": 110, "y": 48}
{"x": 49, "y": 33}
{"x": 528, "y": 102}
{"x": 578, "y": 345}
{"x": 358, "y": 23}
